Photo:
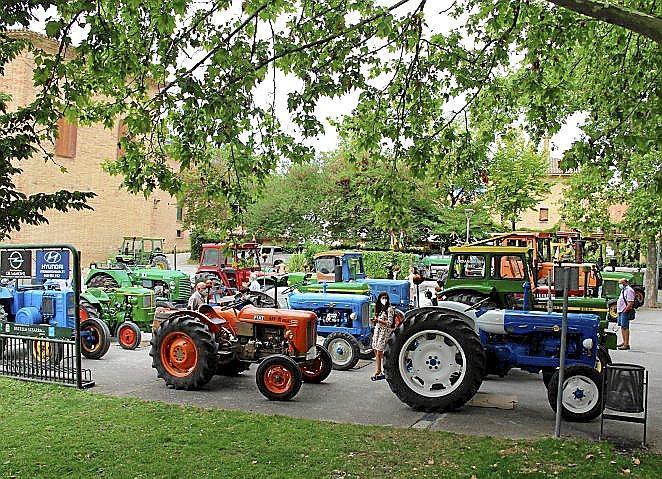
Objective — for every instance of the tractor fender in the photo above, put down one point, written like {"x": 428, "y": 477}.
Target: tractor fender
{"x": 452, "y": 308}
{"x": 214, "y": 323}
{"x": 95, "y": 299}
{"x": 469, "y": 288}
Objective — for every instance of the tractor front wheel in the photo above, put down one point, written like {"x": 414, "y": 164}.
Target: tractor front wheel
{"x": 46, "y": 352}
{"x": 639, "y": 296}
{"x": 612, "y": 312}
{"x": 434, "y": 361}
{"x": 344, "y": 350}
{"x": 183, "y": 352}
{"x": 103, "y": 281}
{"x": 279, "y": 378}
{"x": 129, "y": 335}
{"x": 318, "y": 369}
{"x": 581, "y": 399}
{"x": 94, "y": 333}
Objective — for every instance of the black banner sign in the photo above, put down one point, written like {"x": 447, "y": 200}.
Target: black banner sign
{"x": 16, "y": 263}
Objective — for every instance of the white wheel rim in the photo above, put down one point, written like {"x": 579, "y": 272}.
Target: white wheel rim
{"x": 341, "y": 351}
{"x": 432, "y": 363}
{"x": 580, "y": 394}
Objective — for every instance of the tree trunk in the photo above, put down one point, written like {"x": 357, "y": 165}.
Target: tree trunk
{"x": 650, "y": 280}
{"x": 639, "y": 22}
{"x": 512, "y": 224}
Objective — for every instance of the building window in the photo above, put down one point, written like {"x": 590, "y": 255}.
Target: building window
{"x": 543, "y": 214}
{"x": 179, "y": 233}
{"x": 67, "y": 134}
{"x": 121, "y": 133}
{"x": 179, "y": 212}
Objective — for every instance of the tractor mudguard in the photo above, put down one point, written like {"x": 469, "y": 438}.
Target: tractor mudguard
{"x": 121, "y": 276}
{"x": 213, "y": 323}
{"x": 95, "y": 296}
{"x": 468, "y": 289}
{"x": 451, "y": 308}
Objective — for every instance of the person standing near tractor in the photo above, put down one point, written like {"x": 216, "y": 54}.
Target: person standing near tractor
{"x": 625, "y": 309}
{"x": 254, "y": 285}
{"x": 384, "y": 322}
{"x": 199, "y": 296}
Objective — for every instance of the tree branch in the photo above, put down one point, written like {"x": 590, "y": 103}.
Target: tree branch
{"x": 639, "y": 22}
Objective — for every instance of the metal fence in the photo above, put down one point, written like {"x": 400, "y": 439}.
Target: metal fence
{"x": 41, "y": 352}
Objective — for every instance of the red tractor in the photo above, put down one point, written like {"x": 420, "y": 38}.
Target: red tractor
{"x": 190, "y": 347}
{"x": 228, "y": 264}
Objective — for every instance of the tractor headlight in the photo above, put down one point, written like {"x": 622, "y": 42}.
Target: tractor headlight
{"x": 172, "y": 284}
{"x": 588, "y": 344}
{"x": 352, "y": 316}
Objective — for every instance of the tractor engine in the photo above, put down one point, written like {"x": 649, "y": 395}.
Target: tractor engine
{"x": 52, "y": 307}
{"x": 531, "y": 340}
{"x": 263, "y": 331}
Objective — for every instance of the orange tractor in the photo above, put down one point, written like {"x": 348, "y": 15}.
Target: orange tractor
{"x": 190, "y": 347}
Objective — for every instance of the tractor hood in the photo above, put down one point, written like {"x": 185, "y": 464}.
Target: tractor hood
{"x": 314, "y": 300}
{"x": 353, "y": 288}
{"x": 156, "y": 273}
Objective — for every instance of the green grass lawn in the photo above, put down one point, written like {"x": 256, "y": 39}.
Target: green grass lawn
{"x": 48, "y": 431}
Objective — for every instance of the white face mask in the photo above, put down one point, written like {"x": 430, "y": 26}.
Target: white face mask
{"x": 384, "y": 301}
{"x": 621, "y": 285}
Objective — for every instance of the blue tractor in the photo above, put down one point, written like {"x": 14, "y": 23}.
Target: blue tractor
{"x": 437, "y": 358}
{"x": 52, "y": 306}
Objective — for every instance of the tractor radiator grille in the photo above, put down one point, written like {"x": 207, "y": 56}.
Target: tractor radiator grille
{"x": 185, "y": 289}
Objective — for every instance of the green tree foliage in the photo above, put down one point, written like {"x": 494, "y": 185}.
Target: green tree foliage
{"x": 517, "y": 178}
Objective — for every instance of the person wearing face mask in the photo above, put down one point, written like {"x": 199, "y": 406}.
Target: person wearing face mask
{"x": 198, "y": 297}
{"x": 625, "y": 309}
{"x": 384, "y": 322}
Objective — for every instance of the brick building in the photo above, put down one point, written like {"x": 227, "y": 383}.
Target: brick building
{"x": 82, "y": 150}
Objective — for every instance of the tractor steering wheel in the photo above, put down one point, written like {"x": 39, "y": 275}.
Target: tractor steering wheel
{"x": 478, "y": 304}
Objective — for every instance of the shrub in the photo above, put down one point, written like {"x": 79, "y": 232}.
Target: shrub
{"x": 297, "y": 262}
{"x": 376, "y": 263}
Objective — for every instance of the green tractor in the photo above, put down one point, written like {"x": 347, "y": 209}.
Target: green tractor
{"x": 171, "y": 287}
{"x": 140, "y": 251}
{"x": 126, "y": 311}
{"x": 496, "y": 276}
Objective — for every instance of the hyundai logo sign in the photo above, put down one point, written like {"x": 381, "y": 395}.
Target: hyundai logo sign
{"x": 52, "y": 257}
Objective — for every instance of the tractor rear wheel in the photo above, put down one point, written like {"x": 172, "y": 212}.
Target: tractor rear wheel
{"x": 582, "y": 393}
{"x": 278, "y": 378}
{"x": 94, "y": 333}
{"x": 183, "y": 353}
{"x": 639, "y": 296}
{"x": 160, "y": 261}
{"x": 318, "y": 369}
{"x": 434, "y": 361}
{"x": 103, "y": 281}
{"x": 46, "y": 352}
{"x": 128, "y": 335}
{"x": 612, "y": 312}
{"x": 344, "y": 350}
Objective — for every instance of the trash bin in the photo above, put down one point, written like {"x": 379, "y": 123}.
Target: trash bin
{"x": 624, "y": 387}
{"x": 625, "y": 392}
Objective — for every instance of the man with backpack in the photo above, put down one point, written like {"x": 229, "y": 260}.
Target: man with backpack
{"x": 625, "y": 309}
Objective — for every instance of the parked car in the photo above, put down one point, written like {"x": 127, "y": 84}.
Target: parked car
{"x": 272, "y": 256}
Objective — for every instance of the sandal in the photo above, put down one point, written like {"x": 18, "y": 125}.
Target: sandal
{"x": 377, "y": 377}
{"x": 623, "y": 348}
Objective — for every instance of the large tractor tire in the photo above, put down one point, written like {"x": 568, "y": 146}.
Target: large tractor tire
{"x": 183, "y": 353}
{"x": 129, "y": 335}
{"x": 639, "y": 296}
{"x": 45, "y": 352}
{"x": 318, "y": 369}
{"x": 344, "y": 350}
{"x": 434, "y": 362}
{"x": 582, "y": 393}
{"x": 94, "y": 333}
{"x": 233, "y": 368}
{"x": 103, "y": 281}
{"x": 612, "y": 312}
{"x": 160, "y": 261}
{"x": 278, "y": 378}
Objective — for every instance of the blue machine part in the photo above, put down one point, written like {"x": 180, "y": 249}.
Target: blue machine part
{"x": 346, "y": 313}
{"x": 397, "y": 289}
{"x": 40, "y": 306}
{"x": 532, "y": 341}
{"x": 28, "y": 315}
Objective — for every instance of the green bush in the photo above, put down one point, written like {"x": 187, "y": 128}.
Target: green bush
{"x": 297, "y": 262}
{"x": 376, "y": 263}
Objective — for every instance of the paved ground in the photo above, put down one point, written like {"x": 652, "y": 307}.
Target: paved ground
{"x": 351, "y": 397}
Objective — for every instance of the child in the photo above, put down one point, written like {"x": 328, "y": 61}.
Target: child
{"x": 384, "y": 322}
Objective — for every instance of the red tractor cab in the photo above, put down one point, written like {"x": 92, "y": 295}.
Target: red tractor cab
{"x": 228, "y": 264}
